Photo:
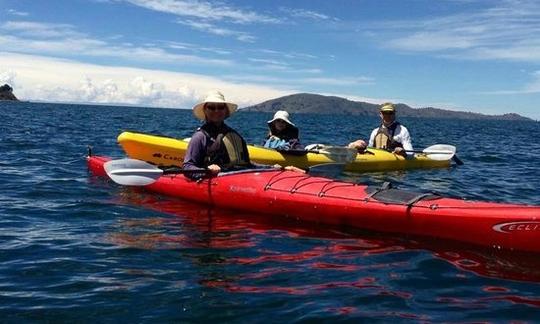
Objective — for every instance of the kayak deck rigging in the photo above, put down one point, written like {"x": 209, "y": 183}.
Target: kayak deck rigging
{"x": 385, "y": 194}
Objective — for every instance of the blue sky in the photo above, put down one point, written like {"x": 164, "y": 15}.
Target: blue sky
{"x": 470, "y": 55}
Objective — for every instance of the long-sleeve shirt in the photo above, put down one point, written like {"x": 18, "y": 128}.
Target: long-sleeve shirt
{"x": 197, "y": 155}
{"x": 401, "y": 135}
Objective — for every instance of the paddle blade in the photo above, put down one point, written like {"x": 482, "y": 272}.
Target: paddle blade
{"x": 440, "y": 152}
{"x": 340, "y": 154}
{"x": 131, "y": 172}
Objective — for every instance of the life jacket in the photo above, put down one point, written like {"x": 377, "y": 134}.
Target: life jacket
{"x": 283, "y": 139}
{"x": 228, "y": 150}
{"x": 275, "y": 143}
{"x": 384, "y": 139}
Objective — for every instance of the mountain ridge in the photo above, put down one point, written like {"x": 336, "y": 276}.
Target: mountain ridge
{"x": 319, "y": 104}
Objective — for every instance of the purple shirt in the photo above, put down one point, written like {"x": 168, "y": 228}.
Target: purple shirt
{"x": 196, "y": 151}
{"x": 198, "y": 148}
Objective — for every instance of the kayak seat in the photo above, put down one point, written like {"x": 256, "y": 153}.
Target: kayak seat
{"x": 389, "y": 195}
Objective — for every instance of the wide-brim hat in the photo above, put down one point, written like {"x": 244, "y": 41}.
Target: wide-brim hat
{"x": 387, "y": 107}
{"x": 283, "y": 115}
{"x": 214, "y": 97}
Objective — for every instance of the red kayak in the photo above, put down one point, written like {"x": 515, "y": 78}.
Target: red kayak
{"x": 384, "y": 209}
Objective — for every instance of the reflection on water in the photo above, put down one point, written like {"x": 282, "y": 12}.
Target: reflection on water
{"x": 200, "y": 229}
{"x": 244, "y": 254}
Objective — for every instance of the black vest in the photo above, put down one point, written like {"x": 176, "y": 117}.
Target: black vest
{"x": 227, "y": 149}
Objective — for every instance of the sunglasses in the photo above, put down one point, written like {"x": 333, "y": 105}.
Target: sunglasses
{"x": 387, "y": 112}
{"x": 214, "y": 107}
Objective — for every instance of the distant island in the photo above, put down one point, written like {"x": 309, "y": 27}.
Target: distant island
{"x": 318, "y": 104}
{"x": 6, "y": 93}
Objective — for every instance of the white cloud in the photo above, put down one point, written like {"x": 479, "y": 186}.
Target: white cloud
{"x": 197, "y": 48}
{"x": 8, "y": 76}
{"x": 147, "y": 91}
{"x": 17, "y": 13}
{"x": 292, "y": 83}
{"x": 213, "y": 29}
{"x": 216, "y": 11}
{"x": 307, "y": 14}
{"x": 361, "y": 98}
{"x": 41, "y": 30}
{"x": 508, "y": 30}
{"x": 63, "y": 40}
{"x": 289, "y": 55}
{"x": 204, "y": 16}
{"x": 49, "y": 79}
{"x": 344, "y": 81}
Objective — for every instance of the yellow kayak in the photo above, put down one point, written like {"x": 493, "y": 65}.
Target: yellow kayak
{"x": 167, "y": 151}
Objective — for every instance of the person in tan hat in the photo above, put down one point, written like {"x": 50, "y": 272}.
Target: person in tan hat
{"x": 390, "y": 135}
{"x": 283, "y": 133}
{"x": 215, "y": 146}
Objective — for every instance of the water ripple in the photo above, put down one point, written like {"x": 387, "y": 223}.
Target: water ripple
{"x": 77, "y": 248}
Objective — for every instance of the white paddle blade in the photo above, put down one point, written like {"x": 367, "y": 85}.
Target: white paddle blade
{"x": 340, "y": 154}
{"x": 440, "y": 152}
{"x": 131, "y": 172}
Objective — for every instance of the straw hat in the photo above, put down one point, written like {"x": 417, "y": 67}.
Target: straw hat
{"x": 387, "y": 107}
{"x": 283, "y": 115}
{"x": 214, "y": 97}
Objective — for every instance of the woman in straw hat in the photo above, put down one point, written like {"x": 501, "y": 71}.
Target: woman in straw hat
{"x": 215, "y": 146}
{"x": 282, "y": 134}
{"x": 390, "y": 135}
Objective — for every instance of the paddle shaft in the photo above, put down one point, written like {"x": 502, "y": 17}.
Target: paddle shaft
{"x": 429, "y": 152}
{"x": 457, "y": 160}
{"x": 176, "y": 170}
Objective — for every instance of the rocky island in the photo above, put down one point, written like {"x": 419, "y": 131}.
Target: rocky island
{"x": 6, "y": 93}
{"x": 318, "y": 104}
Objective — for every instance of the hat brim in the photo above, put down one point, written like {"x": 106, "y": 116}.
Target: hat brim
{"x": 198, "y": 109}
{"x": 284, "y": 119}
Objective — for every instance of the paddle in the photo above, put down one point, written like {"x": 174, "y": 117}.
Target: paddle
{"x": 340, "y": 154}
{"x": 132, "y": 172}
{"x": 437, "y": 152}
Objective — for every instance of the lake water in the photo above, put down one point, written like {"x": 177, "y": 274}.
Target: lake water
{"x": 75, "y": 248}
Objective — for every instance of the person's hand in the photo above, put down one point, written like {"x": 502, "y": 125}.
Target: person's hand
{"x": 359, "y": 145}
{"x": 400, "y": 151}
{"x": 293, "y": 168}
{"x": 214, "y": 169}
{"x": 289, "y": 168}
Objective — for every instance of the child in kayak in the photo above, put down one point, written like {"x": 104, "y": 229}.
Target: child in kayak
{"x": 216, "y": 147}
{"x": 282, "y": 134}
